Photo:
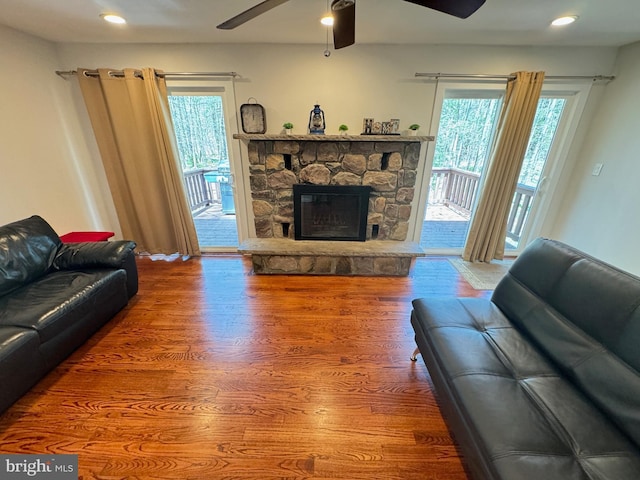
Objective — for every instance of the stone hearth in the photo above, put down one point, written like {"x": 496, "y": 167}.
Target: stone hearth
{"x": 388, "y": 164}
{"x": 312, "y": 257}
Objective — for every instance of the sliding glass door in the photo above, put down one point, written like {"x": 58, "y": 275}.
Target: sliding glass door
{"x": 559, "y": 110}
{"x": 543, "y": 132}
{"x": 204, "y": 122}
{"x": 465, "y": 123}
{"x": 199, "y": 126}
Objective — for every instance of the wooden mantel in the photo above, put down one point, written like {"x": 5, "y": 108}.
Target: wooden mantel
{"x": 334, "y": 138}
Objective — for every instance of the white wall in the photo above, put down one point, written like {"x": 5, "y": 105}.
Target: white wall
{"x": 51, "y": 165}
{"x": 46, "y": 169}
{"x": 360, "y": 81}
{"x": 600, "y": 214}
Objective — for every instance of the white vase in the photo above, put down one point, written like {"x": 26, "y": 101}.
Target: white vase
{"x": 413, "y": 133}
{"x": 288, "y": 131}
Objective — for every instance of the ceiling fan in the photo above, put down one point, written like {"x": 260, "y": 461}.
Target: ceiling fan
{"x": 344, "y": 15}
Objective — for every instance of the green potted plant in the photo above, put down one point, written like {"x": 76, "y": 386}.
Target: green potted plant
{"x": 413, "y": 129}
{"x": 288, "y": 126}
{"x": 343, "y": 129}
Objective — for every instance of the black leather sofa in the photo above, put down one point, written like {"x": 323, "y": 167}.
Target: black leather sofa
{"x": 53, "y": 297}
{"x": 541, "y": 381}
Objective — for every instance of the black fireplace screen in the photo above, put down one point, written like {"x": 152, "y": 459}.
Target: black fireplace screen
{"x": 330, "y": 212}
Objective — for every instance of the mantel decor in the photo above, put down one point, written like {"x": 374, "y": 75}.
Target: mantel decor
{"x": 317, "y": 123}
{"x": 332, "y": 138}
{"x": 371, "y": 127}
{"x": 253, "y": 117}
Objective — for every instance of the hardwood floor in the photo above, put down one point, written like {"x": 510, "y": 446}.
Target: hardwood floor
{"x": 213, "y": 372}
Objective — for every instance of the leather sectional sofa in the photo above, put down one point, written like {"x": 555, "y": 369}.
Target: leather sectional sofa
{"x": 542, "y": 380}
{"x": 53, "y": 297}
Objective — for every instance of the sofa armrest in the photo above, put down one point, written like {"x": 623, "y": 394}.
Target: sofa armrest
{"x": 114, "y": 254}
{"x": 93, "y": 255}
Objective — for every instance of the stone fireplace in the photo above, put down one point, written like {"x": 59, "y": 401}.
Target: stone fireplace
{"x": 386, "y": 166}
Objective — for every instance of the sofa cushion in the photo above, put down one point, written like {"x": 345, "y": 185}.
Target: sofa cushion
{"x": 27, "y": 250}
{"x": 585, "y": 318}
{"x": 21, "y": 364}
{"x": 521, "y": 415}
{"x": 54, "y": 303}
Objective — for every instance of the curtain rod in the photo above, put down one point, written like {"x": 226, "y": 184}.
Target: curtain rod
{"x": 120, "y": 73}
{"x": 595, "y": 78}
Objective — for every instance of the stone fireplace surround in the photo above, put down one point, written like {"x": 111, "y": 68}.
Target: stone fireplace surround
{"x": 388, "y": 164}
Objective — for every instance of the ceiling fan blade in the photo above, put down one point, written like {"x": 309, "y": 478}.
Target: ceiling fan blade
{"x": 247, "y": 15}
{"x": 344, "y": 23}
{"x": 457, "y": 8}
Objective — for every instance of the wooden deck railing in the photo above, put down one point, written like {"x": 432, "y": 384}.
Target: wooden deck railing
{"x": 519, "y": 210}
{"x": 452, "y": 187}
{"x": 456, "y": 189}
{"x": 200, "y": 193}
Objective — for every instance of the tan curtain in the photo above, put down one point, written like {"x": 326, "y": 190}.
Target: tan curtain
{"x": 486, "y": 239}
{"x": 132, "y": 124}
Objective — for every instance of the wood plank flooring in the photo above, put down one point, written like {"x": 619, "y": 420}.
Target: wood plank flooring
{"x": 213, "y": 372}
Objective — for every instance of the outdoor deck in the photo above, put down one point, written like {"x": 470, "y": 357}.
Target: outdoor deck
{"x": 451, "y": 197}
{"x": 444, "y": 228}
{"x": 216, "y": 229}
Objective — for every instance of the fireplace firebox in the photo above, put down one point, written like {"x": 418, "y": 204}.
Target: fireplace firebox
{"x": 330, "y": 212}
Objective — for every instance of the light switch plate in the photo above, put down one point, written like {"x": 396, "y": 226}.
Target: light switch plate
{"x": 597, "y": 168}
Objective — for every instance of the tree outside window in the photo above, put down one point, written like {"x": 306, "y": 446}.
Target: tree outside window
{"x": 198, "y": 122}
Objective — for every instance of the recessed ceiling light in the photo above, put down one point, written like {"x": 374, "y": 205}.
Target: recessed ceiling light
{"x": 558, "y": 22}
{"x": 327, "y": 20}
{"x": 113, "y": 18}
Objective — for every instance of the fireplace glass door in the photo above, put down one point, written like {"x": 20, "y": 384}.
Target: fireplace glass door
{"x": 330, "y": 212}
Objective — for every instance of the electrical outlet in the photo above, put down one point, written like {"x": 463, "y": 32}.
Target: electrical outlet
{"x": 597, "y": 168}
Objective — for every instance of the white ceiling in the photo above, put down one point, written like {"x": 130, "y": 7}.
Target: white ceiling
{"x": 498, "y": 22}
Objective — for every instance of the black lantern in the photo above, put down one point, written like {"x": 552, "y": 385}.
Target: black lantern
{"x": 316, "y": 121}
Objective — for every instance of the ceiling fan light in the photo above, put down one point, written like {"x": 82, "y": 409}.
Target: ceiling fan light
{"x": 113, "y": 18}
{"x": 561, "y": 21}
{"x": 327, "y": 20}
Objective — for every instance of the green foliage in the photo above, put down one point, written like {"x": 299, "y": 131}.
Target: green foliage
{"x": 287, "y": 125}
{"x": 543, "y": 132}
{"x": 414, "y": 126}
{"x": 467, "y": 129}
{"x": 465, "y": 133}
{"x": 198, "y": 122}
{"x": 343, "y": 128}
